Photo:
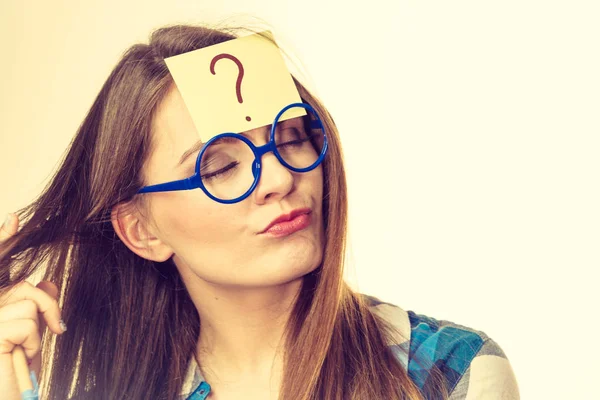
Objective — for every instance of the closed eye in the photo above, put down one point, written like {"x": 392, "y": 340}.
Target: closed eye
{"x": 220, "y": 172}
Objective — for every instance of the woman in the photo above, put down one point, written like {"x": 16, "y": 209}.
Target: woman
{"x": 173, "y": 295}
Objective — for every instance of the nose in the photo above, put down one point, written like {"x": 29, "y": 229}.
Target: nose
{"x": 275, "y": 182}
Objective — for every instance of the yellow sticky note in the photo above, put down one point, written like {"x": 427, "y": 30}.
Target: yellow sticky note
{"x": 234, "y": 86}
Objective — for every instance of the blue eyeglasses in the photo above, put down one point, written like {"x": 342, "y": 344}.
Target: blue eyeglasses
{"x": 228, "y": 166}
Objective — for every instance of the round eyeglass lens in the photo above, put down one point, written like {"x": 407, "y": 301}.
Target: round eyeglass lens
{"x": 299, "y": 140}
{"x": 226, "y": 168}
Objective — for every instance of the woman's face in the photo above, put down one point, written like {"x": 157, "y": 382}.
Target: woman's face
{"x": 225, "y": 244}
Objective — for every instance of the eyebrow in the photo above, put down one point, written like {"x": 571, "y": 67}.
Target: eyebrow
{"x": 197, "y": 146}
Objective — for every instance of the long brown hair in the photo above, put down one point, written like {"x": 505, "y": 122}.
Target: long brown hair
{"x": 122, "y": 310}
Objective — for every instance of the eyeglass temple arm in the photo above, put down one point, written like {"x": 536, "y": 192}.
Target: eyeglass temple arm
{"x": 184, "y": 184}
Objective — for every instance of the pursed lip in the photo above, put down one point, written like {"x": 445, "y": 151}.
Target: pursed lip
{"x": 287, "y": 217}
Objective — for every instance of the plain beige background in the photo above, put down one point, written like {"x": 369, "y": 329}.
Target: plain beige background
{"x": 471, "y": 133}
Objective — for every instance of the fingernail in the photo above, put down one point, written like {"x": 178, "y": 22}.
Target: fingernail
{"x": 8, "y": 219}
{"x": 63, "y": 326}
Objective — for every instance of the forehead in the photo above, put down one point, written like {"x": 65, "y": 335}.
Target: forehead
{"x": 174, "y": 130}
{"x": 172, "y": 125}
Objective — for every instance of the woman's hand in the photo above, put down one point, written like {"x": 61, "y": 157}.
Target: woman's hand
{"x": 25, "y": 310}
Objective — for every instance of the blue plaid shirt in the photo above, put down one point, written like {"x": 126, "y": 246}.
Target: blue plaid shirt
{"x": 474, "y": 366}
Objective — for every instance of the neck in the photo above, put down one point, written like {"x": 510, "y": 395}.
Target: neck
{"x": 241, "y": 328}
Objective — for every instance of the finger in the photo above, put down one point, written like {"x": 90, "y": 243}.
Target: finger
{"x": 8, "y": 380}
{"x": 23, "y": 309}
{"x": 47, "y": 305}
{"x": 32, "y": 313}
{"x": 49, "y": 288}
{"x": 9, "y": 227}
{"x": 52, "y": 291}
{"x": 23, "y": 332}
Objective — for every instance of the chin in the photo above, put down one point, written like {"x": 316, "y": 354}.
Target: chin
{"x": 303, "y": 252}
{"x": 292, "y": 266}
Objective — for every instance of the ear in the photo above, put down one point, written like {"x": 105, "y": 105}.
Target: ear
{"x": 136, "y": 234}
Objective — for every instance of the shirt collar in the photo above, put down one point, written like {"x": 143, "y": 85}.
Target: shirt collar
{"x": 194, "y": 385}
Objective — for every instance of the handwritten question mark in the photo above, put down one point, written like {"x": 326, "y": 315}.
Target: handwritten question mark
{"x": 238, "y": 83}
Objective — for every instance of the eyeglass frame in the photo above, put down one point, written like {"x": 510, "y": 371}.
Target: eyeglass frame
{"x": 195, "y": 181}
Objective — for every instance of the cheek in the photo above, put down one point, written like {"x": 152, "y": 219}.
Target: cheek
{"x": 186, "y": 218}
{"x": 316, "y": 182}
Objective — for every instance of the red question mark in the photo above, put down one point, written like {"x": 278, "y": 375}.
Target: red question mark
{"x": 238, "y": 83}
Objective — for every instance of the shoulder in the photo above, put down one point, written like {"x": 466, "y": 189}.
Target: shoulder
{"x": 472, "y": 363}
